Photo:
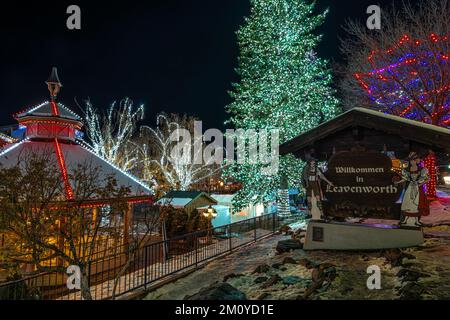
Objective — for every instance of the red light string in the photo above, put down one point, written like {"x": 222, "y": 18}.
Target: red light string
{"x": 430, "y": 164}
{"x": 55, "y": 109}
{"x": 62, "y": 165}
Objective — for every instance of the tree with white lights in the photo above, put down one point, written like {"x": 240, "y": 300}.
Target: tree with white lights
{"x": 110, "y": 134}
{"x": 174, "y": 172}
{"x": 283, "y": 85}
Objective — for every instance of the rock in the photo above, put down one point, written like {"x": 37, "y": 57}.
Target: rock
{"x": 288, "y": 245}
{"x": 324, "y": 272}
{"x": 324, "y": 266}
{"x": 306, "y": 263}
{"x": 231, "y": 275}
{"x": 315, "y": 275}
{"x": 260, "y": 280}
{"x": 411, "y": 291}
{"x": 394, "y": 257}
{"x": 218, "y": 291}
{"x": 277, "y": 265}
{"x": 285, "y": 228}
{"x": 298, "y": 234}
{"x": 263, "y": 268}
{"x": 271, "y": 281}
{"x": 346, "y": 290}
{"x": 290, "y": 280}
{"x": 289, "y": 260}
{"x": 262, "y": 296}
{"x": 411, "y": 275}
{"x": 408, "y": 256}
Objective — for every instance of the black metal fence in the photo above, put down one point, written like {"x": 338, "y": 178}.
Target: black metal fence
{"x": 124, "y": 271}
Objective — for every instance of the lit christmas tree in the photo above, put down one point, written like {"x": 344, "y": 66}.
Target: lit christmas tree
{"x": 284, "y": 86}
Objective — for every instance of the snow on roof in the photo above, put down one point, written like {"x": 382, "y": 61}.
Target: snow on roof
{"x": 183, "y": 194}
{"x": 123, "y": 178}
{"x": 6, "y": 138}
{"x": 175, "y": 202}
{"x": 427, "y": 134}
{"x": 75, "y": 154}
{"x": 404, "y": 120}
{"x": 223, "y": 198}
{"x": 45, "y": 110}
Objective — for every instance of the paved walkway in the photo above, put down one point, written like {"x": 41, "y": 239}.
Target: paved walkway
{"x": 158, "y": 271}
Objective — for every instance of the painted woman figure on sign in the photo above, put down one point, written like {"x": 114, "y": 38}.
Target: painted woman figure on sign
{"x": 414, "y": 202}
{"x": 312, "y": 176}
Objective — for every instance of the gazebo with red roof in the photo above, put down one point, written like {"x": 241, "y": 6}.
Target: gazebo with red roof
{"x": 52, "y": 126}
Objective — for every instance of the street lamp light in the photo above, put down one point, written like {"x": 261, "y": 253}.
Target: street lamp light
{"x": 210, "y": 212}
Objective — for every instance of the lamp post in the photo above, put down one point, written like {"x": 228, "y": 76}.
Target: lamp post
{"x": 210, "y": 213}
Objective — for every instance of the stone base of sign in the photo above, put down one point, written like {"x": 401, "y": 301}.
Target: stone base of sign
{"x": 347, "y": 236}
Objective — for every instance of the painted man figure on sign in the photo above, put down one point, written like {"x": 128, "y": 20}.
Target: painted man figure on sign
{"x": 312, "y": 177}
{"x": 414, "y": 202}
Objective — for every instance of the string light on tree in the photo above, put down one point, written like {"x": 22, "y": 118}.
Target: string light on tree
{"x": 411, "y": 79}
{"x": 283, "y": 207}
{"x": 110, "y": 134}
{"x": 283, "y": 85}
{"x": 430, "y": 164}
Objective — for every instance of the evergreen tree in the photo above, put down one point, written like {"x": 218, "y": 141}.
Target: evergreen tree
{"x": 283, "y": 84}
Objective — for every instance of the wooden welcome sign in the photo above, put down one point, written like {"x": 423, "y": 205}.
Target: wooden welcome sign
{"x": 363, "y": 186}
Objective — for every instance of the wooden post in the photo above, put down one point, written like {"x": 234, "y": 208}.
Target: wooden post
{"x": 94, "y": 217}
{"x": 128, "y": 218}
{"x": 60, "y": 242}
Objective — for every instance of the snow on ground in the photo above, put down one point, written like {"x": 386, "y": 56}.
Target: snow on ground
{"x": 439, "y": 210}
{"x": 350, "y": 283}
{"x": 242, "y": 261}
{"x": 432, "y": 259}
{"x": 423, "y": 272}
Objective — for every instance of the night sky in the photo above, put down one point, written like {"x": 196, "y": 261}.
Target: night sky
{"x": 171, "y": 55}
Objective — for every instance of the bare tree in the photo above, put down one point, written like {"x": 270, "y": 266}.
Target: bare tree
{"x": 175, "y": 172}
{"x": 45, "y": 231}
{"x": 144, "y": 225}
{"x": 110, "y": 134}
{"x": 402, "y": 69}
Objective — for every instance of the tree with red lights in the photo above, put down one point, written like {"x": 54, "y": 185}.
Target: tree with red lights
{"x": 404, "y": 68}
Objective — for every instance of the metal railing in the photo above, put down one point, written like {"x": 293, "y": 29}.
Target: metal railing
{"x": 125, "y": 271}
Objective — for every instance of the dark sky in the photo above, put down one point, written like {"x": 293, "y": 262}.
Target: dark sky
{"x": 172, "y": 55}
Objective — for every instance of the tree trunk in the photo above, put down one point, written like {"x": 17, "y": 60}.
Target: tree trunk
{"x": 84, "y": 283}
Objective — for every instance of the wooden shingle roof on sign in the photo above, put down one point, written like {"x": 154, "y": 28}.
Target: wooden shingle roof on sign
{"x": 435, "y": 137}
